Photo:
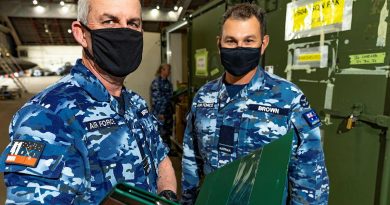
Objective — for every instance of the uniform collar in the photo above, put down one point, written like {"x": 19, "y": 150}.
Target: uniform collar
{"x": 256, "y": 83}
{"x": 96, "y": 90}
{"x": 88, "y": 81}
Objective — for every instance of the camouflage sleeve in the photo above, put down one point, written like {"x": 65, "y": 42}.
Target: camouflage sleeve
{"x": 40, "y": 164}
{"x": 308, "y": 178}
{"x": 190, "y": 173}
{"x": 156, "y": 101}
{"x": 160, "y": 150}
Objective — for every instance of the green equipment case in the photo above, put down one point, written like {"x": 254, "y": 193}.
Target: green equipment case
{"x": 125, "y": 194}
{"x": 256, "y": 179}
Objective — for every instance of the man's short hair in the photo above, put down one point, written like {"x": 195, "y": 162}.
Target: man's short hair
{"x": 245, "y": 11}
{"x": 83, "y": 11}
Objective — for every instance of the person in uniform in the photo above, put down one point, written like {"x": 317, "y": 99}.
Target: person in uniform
{"x": 247, "y": 108}
{"x": 73, "y": 142}
{"x": 161, "y": 92}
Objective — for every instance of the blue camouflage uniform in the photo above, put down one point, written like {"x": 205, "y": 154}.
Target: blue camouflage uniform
{"x": 72, "y": 143}
{"x": 221, "y": 129}
{"x": 161, "y": 92}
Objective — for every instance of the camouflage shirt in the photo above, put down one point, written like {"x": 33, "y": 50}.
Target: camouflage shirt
{"x": 161, "y": 92}
{"x": 71, "y": 144}
{"x": 263, "y": 111}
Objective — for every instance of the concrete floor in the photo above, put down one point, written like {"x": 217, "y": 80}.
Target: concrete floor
{"x": 9, "y": 107}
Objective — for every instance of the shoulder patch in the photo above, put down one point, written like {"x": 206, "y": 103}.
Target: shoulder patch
{"x": 303, "y": 101}
{"x": 99, "y": 124}
{"x": 143, "y": 113}
{"x": 311, "y": 118}
{"x": 26, "y": 153}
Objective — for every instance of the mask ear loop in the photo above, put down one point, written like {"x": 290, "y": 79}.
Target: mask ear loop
{"x": 89, "y": 55}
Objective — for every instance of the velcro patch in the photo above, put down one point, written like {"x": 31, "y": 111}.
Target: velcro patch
{"x": 99, "y": 124}
{"x": 303, "y": 101}
{"x": 26, "y": 153}
{"x": 143, "y": 113}
{"x": 268, "y": 109}
{"x": 226, "y": 139}
{"x": 205, "y": 105}
{"x": 311, "y": 118}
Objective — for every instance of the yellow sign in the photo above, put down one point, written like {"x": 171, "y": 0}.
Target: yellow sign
{"x": 309, "y": 57}
{"x": 317, "y": 14}
{"x": 201, "y": 62}
{"x": 369, "y": 58}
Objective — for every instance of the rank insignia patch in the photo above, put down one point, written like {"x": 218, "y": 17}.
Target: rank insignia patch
{"x": 26, "y": 153}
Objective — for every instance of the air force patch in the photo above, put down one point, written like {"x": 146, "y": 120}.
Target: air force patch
{"x": 99, "y": 124}
{"x": 312, "y": 118}
{"x": 26, "y": 153}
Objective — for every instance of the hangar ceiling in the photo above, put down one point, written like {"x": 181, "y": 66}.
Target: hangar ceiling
{"x": 47, "y": 22}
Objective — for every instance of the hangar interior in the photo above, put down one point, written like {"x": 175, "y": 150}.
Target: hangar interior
{"x": 340, "y": 61}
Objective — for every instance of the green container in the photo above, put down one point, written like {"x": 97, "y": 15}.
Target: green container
{"x": 125, "y": 194}
{"x": 256, "y": 179}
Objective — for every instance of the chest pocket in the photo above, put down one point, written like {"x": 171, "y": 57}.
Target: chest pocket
{"x": 111, "y": 143}
{"x": 259, "y": 128}
{"x": 205, "y": 125}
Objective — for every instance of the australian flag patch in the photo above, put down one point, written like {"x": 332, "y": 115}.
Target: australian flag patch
{"x": 311, "y": 118}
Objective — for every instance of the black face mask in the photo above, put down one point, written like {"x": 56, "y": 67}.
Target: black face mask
{"x": 118, "y": 51}
{"x": 239, "y": 61}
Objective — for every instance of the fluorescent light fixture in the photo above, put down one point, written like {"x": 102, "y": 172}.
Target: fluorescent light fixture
{"x": 64, "y": 10}
{"x": 180, "y": 9}
{"x": 39, "y": 9}
{"x": 35, "y": 2}
{"x": 154, "y": 13}
{"x": 171, "y": 14}
{"x": 62, "y": 3}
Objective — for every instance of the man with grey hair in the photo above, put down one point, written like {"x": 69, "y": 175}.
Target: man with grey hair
{"x": 73, "y": 142}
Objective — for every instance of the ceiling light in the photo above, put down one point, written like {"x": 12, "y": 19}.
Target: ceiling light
{"x": 69, "y": 30}
{"x": 64, "y": 10}
{"x": 35, "y": 2}
{"x": 154, "y": 12}
{"x": 39, "y": 9}
{"x": 171, "y": 14}
{"x": 157, "y": 7}
{"x": 175, "y": 8}
{"x": 62, "y": 3}
{"x": 47, "y": 30}
{"x": 180, "y": 9}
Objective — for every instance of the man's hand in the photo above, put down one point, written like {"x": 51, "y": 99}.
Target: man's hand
{"x": 170, "y": 195}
